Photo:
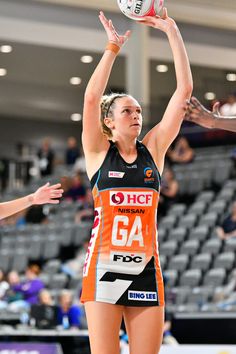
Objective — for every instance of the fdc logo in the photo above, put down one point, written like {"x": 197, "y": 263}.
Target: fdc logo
{"x": 127, "y": 259}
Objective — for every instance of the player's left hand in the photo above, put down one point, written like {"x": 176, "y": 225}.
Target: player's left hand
{"x": 47, "y": 194}
{"x": 162, "y": 22}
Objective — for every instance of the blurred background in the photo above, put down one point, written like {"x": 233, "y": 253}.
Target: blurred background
{"x": 48, "y": 51}
{"x": 50, "y": 48}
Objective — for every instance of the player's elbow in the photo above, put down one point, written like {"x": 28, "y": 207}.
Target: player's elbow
{"x": 184, "y": 90}
{"x": 187, "y": 90}
{"x": 90, "y": 98}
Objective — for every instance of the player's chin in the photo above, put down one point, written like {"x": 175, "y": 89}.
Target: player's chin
{"x": 135, "y": 131}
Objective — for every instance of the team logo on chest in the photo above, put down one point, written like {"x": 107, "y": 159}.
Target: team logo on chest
{"x": 148, "y": 175}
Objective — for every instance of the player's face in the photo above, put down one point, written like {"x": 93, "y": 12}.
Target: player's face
{"x": 127, "y": 116}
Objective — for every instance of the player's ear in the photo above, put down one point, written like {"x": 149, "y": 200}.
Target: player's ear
{"x": 109, "y": 122}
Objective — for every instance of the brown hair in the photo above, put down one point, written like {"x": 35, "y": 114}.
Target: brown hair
{"x": 107, "y": 106}
{"x": 34, "y": 268}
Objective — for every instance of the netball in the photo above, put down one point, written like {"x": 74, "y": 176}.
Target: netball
{"x": 137, "y": 9}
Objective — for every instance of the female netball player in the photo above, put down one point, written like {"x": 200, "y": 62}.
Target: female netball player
{"x": 122, "y": 275}
{"x": 45, "y": 194}
{"x": 197, "y": 113}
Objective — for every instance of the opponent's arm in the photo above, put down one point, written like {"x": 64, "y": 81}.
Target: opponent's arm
{"x": 45, "y": 194}
{"x": 197, "y": 113}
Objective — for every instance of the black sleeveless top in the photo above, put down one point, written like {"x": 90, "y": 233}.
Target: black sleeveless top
{"x": 115, "y": 172}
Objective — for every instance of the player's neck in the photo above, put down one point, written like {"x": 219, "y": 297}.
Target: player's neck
{"x": 126, "y": 147}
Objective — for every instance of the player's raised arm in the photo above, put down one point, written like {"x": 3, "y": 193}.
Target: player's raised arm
{"x": 161, "y": 136}
{"x": 93, "y": 139}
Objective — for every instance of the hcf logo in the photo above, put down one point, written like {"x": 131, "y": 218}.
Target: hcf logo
{"x": 131, "y": 198}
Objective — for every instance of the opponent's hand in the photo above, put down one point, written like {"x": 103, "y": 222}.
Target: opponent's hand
{"x": 47, "y": 194}
{"x": 197, "y": 113}
{"x": 163, "y": 22}
{"x": 111, "y": 32}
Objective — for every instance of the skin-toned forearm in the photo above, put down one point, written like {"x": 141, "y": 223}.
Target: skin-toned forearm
{"x": 45, "y": 194}
{"x": 181, "y": 61}
{"x": 14, "y": 206}
{"x": 98, "y": 81}
{"x": 225, "y": 123}
{"x": 197, "y": 113}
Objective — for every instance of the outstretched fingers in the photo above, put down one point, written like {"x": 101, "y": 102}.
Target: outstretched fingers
{"x": 103, "y": 18}
{"x": 54, "y": 201}
{"x": 55, "y": 191}
{"x": 216, "y": 108}
{"x": 112, "y": 34}
{"x": 112, "y": 29}
{"x": 55, "y": 186}
{"x": 164, "y": 13}
{"x": 149, "y": 20}
{"x": 194, "y": 101}
{"x": 191, "y": 111}
{"x": 105, "y": 22}
{"x": 125, "y": 37}
{"x": 189, "y": 106}
{"x": 48, "y": 194}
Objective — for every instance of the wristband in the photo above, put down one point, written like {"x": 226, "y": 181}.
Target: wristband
{"x": 113, "y": 47}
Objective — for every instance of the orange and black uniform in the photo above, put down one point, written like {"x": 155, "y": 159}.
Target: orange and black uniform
{"x": 122, "y": 263}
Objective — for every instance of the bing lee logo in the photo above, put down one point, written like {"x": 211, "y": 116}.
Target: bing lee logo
{"x": 131, "y": 198}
